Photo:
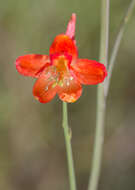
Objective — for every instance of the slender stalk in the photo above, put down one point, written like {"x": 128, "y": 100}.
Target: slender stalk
{"x": 117, "y": 42}
{"x": 67, "y": 134}
{"x": 99, "y": 133}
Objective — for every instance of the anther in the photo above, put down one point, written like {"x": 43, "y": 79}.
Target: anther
{"x": 71, "y": 78}
{"x": 68, "y": 83}
{"x": 46, "y": 88}
{"x": 54, "y": 85}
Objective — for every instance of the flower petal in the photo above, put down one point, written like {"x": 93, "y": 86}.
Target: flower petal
{"x": 89, "y": 71}
{"x": 31, "y": 65}
{"x": 63, "y": 44}
{"x": 71, "y": 27}
{"x": 70, "y": 91}
{"x": 44, "y": 88}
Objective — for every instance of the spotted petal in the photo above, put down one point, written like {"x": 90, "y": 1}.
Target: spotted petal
{"x": 89, "y": 71}
{"x": 31, "y": 65}
{"x": 70, "y": 91}
{"x": 44, "y": 88}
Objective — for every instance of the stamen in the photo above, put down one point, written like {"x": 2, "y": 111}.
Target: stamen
{"x": 71, "y": 78}
{"x": 60, "y": 83}
{"x": 50, "y": 78}
{"x": 68, "y": 83}
{"x": 46, "y": 88}
{"x": 54, "y": 84}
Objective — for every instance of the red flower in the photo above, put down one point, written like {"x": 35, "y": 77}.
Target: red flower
{"x": 61, "y": 72}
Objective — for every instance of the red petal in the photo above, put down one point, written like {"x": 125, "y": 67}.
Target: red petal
{"x": 31, "y": 65}
{"x": 44, "y": 89}
{"x": 89, "y": 71}
{"x": 63, "y": 44}
{"x": 70, "y": 91}
{"x": 71, "y": 27}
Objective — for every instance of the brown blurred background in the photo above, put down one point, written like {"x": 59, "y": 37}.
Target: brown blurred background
{"x": 32, "y": 149}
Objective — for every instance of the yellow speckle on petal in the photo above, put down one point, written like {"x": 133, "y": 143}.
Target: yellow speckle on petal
{"x": 68, "y": 98}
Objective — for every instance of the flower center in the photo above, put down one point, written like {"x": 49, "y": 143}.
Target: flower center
{"x": 61, "y": 62}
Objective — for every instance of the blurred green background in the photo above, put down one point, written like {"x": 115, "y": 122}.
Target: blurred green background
{"x": 32, "y": 149}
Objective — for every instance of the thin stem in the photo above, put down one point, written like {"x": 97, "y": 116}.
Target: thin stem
{"x": 67, "y": 134}
{"x": 117, "y": 42}
{"x": 99, "y": 133}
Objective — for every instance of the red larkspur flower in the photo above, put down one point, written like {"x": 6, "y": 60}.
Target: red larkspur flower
{"x": 61, "y": 72}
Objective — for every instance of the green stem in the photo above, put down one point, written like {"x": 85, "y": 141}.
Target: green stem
{"x": 67, "y": 134}
{"x": 99, "y": 133}
{"x": 117, "y": 44}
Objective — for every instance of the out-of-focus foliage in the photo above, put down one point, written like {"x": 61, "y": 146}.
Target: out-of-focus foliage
{"x": 32, "y": 150}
